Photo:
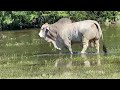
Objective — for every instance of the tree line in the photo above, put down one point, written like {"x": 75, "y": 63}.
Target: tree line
{"x": 15, "y": 20}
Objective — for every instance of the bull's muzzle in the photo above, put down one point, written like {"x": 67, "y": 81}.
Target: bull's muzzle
{"x": 41, "y": 34}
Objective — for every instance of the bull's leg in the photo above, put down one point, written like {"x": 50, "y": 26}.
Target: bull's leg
{"x": 70, "y": 49}
{"x": 92, "y": 44}
{"x": 97, "y": 45}
{"x": 85, "y": 45}
{"x": 68, "y": 45}
{"x": 55, "y": 46}
{"x": 62, "y": 49}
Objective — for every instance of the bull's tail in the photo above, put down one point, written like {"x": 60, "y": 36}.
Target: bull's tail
{"x": 104, "y": 46}
{"x": 101, "y": 35}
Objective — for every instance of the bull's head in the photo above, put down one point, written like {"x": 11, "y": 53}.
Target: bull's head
{"x": 47, "y": 33}
{"x": 43, "y": 31}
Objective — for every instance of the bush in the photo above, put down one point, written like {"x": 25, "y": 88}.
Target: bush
{"x": 12, "y": 20}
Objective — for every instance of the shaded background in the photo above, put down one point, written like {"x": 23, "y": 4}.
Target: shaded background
{"x": 16, "y": 20}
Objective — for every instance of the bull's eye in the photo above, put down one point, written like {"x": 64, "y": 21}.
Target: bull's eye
{"x": 42, "y": 28}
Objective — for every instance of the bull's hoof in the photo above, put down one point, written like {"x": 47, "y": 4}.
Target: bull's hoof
{"x": 83, "y": 52}
{"x": 71, "y": 53}
{"x": 58, "y": 48}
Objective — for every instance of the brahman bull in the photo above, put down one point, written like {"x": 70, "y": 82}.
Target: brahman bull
{"x": 85, "y": 32}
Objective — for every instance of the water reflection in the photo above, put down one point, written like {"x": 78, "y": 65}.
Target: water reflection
{"x": 86, "y": 60}
{"x": 62, "y": 63}
{"x": 95, "y": 60}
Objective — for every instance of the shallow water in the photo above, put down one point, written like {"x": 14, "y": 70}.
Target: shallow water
{"x": 23, "y": 54}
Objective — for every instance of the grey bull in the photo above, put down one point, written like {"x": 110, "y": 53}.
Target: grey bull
{"x": 85, "y": 32}
{"x": 51, "y": 35}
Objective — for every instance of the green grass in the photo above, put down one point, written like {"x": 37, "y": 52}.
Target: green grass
{"x": 23, "y": 55}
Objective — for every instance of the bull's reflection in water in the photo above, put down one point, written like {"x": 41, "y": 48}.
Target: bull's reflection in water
{"x": 85, "y": 61}
{"x": 88, "y": 62}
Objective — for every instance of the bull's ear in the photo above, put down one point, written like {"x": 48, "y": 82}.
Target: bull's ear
{"x": 47, "y": 27}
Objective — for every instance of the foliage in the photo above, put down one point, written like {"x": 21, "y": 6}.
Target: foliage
{"x": 11, "y": 20}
